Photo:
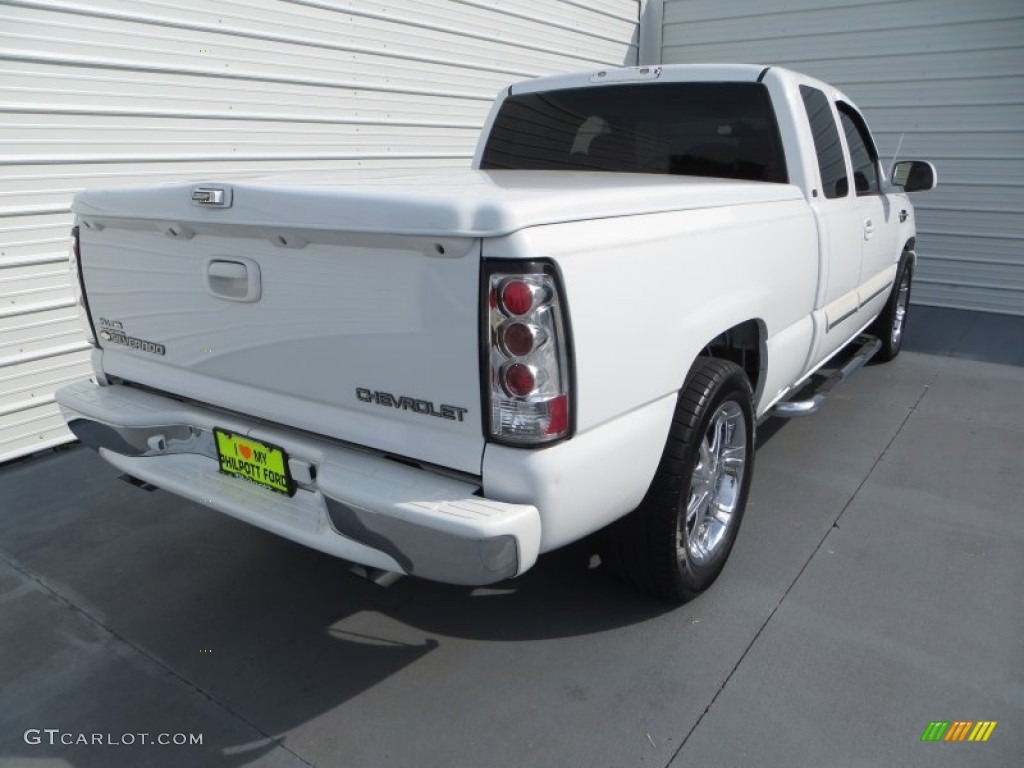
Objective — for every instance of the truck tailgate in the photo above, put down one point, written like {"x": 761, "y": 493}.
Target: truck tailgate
{"x": 364, "y": 337}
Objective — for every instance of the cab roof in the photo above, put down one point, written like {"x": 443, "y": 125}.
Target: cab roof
{"x": 660, "y": 73}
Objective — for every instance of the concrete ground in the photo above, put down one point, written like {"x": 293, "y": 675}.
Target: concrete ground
{"x": 875, "y": 587}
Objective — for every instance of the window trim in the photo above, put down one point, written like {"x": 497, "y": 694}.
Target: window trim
{"x": 844, "y": 108}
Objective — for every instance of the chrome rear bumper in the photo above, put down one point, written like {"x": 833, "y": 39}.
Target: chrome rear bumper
{"x": 354, "y": 505}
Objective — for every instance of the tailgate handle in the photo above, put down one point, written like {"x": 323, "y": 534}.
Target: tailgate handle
{"x": 235, "y": 279}
{"x": 228, "y": 270}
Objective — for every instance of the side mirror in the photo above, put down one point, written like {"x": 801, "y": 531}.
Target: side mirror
{"x": 914, "y": 175}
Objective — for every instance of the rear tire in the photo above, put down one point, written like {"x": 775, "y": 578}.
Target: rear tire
{"x": 891, "y": 324}
{"x": 675, "y": 544}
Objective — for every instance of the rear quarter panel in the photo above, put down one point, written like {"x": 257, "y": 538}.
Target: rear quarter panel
{"x": 647, "y": 293}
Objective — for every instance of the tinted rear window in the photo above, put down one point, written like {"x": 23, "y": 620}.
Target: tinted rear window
{"x": 698, "y": 129}
{"x": 831, "y": 161}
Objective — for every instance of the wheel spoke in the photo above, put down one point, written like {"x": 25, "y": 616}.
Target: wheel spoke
{"x": 704, "y": 465}
{"x": 721, "y": 515}
{"x": 696, "y": 508}
{"x": 718, "y": 435}
{"x": 733, "y": 459}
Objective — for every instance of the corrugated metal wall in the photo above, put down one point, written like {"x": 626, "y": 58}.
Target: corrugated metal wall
{"x": 948, "y": 73}
{"x": 104, "y": 92}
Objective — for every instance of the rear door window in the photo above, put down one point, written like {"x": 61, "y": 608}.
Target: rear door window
{"x": 863, "y": 155}
{"x": 831, "y": 161}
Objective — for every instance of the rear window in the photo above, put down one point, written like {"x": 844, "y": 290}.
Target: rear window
{"x": 725, "y": 130}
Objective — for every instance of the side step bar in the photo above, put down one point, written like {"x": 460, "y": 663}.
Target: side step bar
{"x": 869, "y": 346}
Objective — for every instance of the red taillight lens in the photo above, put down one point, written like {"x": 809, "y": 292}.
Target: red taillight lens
{"x": 558, "y": 416}
{"x": 518, "y": 339}
{"x": 517, "y": 297}
{"x": 519, "y": 380}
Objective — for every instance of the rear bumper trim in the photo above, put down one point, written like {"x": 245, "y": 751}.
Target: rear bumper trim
{"x": 359, "y": 507}
{"x": 422, "y": 550}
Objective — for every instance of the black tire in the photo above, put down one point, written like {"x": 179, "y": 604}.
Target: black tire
{"x": 890, "y": 326}
{"x": 653, "y": 548}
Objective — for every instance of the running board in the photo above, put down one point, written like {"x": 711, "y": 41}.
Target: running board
{"x": 869, "y": 346}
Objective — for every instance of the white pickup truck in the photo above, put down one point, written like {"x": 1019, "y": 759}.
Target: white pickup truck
{"x": 447, "y": 373}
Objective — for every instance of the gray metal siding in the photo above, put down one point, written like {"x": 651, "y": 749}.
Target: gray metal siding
{"x": 108, "y": 92}
{"x": 947, "y": 73}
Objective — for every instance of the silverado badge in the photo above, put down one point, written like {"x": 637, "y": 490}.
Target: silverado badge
{"x": 113, "y": 331}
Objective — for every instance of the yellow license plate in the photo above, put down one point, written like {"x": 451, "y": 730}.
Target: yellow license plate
{"x": 264, "y": 464}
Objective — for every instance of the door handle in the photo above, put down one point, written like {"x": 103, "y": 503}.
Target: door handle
{"x": 869, "y": 229}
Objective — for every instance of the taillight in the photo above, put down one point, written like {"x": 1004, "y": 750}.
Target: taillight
{"x": 75, "y": 265}
{"x": 527, "y": 354}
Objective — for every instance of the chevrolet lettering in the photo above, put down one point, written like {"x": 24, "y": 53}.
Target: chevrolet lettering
{"x": 425, "y": 407}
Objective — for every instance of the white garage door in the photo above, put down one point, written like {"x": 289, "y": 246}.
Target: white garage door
{"x": 103, "y": 92}
{"x": 948, "y": 73}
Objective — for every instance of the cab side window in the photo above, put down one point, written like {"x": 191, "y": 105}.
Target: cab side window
{"x": 863, "y": 155}
{"x": 831, "y": 163}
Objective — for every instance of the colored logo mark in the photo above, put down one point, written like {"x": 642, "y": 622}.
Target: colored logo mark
{"x": 958, "y": 730}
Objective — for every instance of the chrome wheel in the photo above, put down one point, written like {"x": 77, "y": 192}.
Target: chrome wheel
{"x": 675, "y": 544}
{"x": 900, "y": 315}
{"x": 715, "y": 485}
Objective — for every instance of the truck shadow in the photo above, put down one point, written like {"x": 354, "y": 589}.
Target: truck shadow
{"x": 275, "y": 634}
{"x": 348, "y": 637}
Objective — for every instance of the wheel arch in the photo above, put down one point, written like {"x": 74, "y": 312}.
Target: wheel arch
{"x": 910, "y": 248}
{"x": 745, "y": 344}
